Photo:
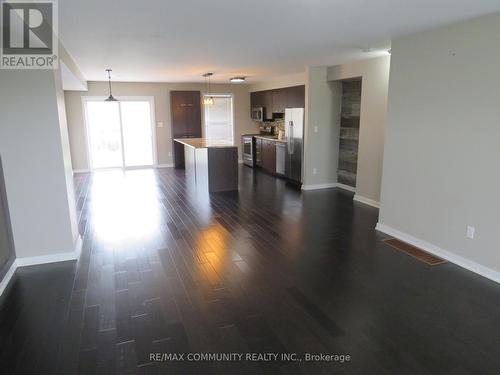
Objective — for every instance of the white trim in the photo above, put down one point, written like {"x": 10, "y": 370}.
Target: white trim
{"x": 240, "y": 161}
{"x": 165, "y": 165}
{"x": 6, "y": 279}
{"x": 468, "y": 264}
{"x": 81, "y": 171}
{"x": 319, "y": 186}
{"x": 346, "y": 187}
{"x": 44, "y": 259}
{"x": 78, "y": 246}
{"x": 52, "y": 258}
{"x": 85, "y": 99}
{"x": 368, "y": 201}
{"x": 330, "y": 185}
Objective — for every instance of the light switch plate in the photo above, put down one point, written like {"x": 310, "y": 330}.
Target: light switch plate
{"x": 160, "y": 124}
{"x": 470, "y": 232}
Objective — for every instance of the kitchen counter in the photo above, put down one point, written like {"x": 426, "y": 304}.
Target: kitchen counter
{"x": 211, "y": 166}
{"x": 270, "y": 138}
{"x": 204, "y": 143}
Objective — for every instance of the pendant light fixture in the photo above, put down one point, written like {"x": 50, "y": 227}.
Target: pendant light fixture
{"x": 110, "y": 98}
{"x": 237, "y": 79}
{"x": 208, "y": 99}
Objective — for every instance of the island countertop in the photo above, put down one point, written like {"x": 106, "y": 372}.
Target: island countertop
{"x": 204, "y": 143}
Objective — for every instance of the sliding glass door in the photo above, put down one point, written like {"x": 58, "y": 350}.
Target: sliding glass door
{"x": 137, "y": 133}
{"x": 120, "y": 134}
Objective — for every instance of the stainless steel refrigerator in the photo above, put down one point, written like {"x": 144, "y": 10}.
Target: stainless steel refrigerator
{"x": 294, "y": 135}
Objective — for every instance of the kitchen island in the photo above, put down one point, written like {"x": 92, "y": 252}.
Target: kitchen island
{"x": 210, "y": 165}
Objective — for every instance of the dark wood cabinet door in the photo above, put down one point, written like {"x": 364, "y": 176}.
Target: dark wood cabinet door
{"x": 296, "y": 97}
{"x": 269, "y": 155}
{"x": 178, "y": 154}
{"x": 258, "y": 152}
{"x": 194, "y": 120}
{"x": 279, "y": 100}
{"x": 185, "y": 108}
{"x": 268, "y": 104}
{"x": 272, "y": 156}
{"x": 186, "y": 112}
{"x": 257, "y": 99}
{"x": 184, "y": 98}
{"x": 265, "y": 154}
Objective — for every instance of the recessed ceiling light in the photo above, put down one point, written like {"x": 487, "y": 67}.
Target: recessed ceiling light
{"x": 237, "y": 79}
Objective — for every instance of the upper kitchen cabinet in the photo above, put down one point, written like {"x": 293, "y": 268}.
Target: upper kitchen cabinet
{"x": 268, "y": 104}
{"x": 296, "y": 97}
{"x": 275, "y": 101}
{"x": 279, "y": 100}
{"x": 257, "y": 99}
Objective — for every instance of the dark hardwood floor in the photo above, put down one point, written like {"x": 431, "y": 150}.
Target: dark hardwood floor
{"x": 265, "y": 270}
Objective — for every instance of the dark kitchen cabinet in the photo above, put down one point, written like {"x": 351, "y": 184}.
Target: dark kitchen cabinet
{"x": 269, "y": 155}
{"x": 296, "y": 97}
{"x": 185, "y": 108}
{"x": 257, "y": 99}
{"x": 258, "y": 152}
{"x": 275, "y": 101}
{"x": 268, "y": 104}
{"x": 279, "y": 100}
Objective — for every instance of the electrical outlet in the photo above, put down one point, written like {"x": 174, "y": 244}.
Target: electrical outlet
{"x": 315, "y": 171}
{"x": 470, "y": 232}
{"x": 160, "y": 124}
{"x": 316, "y": 129}
{"x": 169, "y": 153}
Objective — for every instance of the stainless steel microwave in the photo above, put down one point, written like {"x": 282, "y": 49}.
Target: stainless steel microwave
{"x": 257, "y": 114}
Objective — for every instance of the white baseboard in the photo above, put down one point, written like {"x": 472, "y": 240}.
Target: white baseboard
{"x": 164, "y": 165}
{"x": 368, "y": 201}
{"x": 330, "y": 185}
{"x": 319, "y": 186}
{"x": 240, "y": 161}
{"x": 346, "y": 187}
{"x": 442, "y": 253}
{"x": 44, "y": 259}
{"x": 6, "y": 279}
{"x": 81, "y": 171}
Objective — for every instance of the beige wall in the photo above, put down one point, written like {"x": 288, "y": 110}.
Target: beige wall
{"x": 321, "y": 133}
{"x": 374, "y": 90}
{"x": 37, "y": 168}
{"x": 161, "y": 93}
{"x": 442, "y": 144}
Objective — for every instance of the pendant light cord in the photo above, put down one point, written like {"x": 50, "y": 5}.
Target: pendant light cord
{"x": 109, "y": 81}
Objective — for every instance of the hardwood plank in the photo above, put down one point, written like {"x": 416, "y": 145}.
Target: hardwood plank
{"x": 265, "y": 269}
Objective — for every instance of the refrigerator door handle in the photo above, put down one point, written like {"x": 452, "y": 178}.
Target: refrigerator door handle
{"x": 290, "y": 138}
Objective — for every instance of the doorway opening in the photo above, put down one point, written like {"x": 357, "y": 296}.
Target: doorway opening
{"x": 120, "y": 134}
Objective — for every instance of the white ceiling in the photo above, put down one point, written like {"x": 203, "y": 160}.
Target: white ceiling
{"x": 178, "y": 40}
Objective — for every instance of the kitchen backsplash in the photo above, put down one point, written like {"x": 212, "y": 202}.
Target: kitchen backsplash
{"x": 272, "y": 127}
{"x": 279, "y": 124}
